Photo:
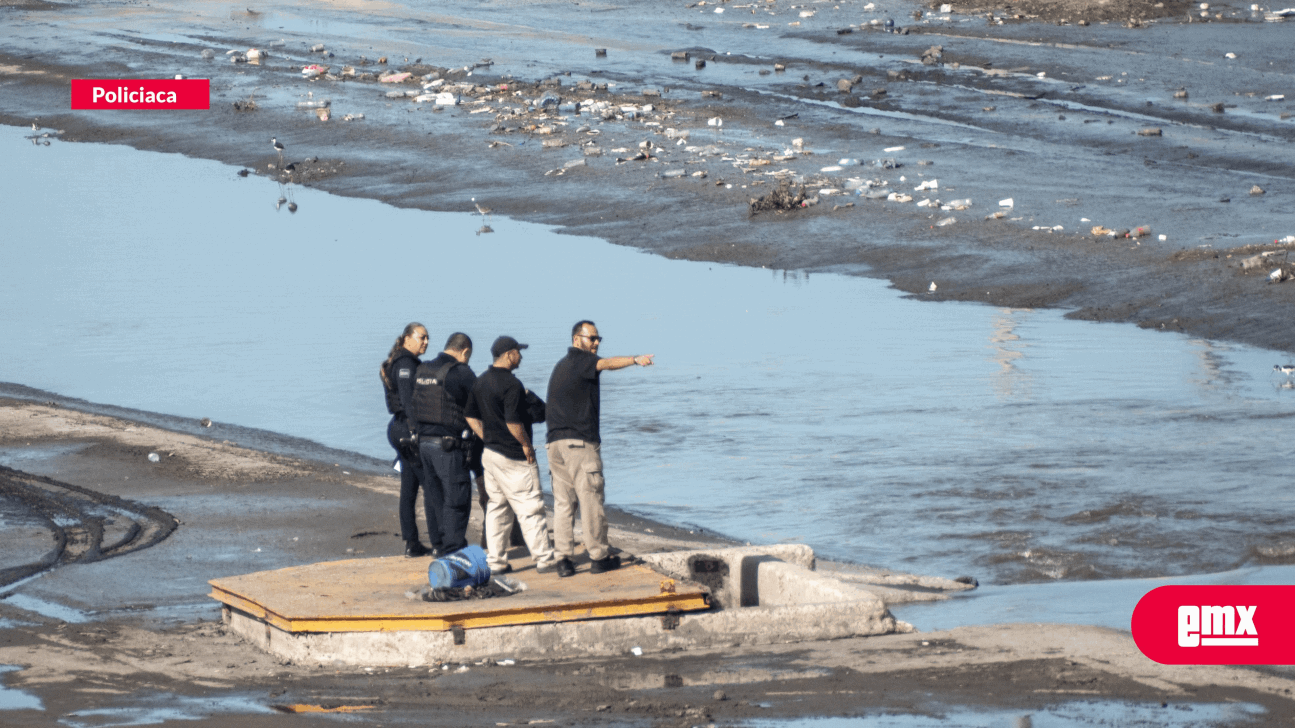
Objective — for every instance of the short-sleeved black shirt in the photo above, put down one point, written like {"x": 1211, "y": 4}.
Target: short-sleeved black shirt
{"x": 574, "y": 398}
{"x": 498, "y": 398}
{"x": 458, "y": 382}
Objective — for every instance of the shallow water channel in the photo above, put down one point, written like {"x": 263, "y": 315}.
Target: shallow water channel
{"x": 785, "y": 406}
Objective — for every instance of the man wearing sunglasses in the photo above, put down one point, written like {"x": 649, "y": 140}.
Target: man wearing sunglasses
{"x": 574, "y": 448}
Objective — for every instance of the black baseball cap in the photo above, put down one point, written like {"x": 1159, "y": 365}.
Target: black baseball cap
{"x": 503, "y": 344}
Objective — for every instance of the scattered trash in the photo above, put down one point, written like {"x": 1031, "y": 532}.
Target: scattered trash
{"x": 1230, "y": 56}
{"x": 1180, "y": 93}
{"x": 720, "y": 694}
{"x": 256, "y": 54}
{"x": 321, "y": 104}
{"x": 505, "y": 663}
{"x": 1009, "y": 203}
{"x": 447, "y": 98}
{"x": 932, "y": 56}
{"x": 638, "y": 651}
{"x": 1150, "y": 131}
{"x": 930, "y": 184}
{"x": 314, "y": 70}
{"x": 154, "y": 457}
{"x": 600, "y": 53}
{"x": 1256, "y": 190}
{"x": 208, "y": 54}
{"x": 1275, "y": 97}
{"x": 671, "y": 173}
{"x": 715, "y": 121}
{"x": 394, "y": 77}
{"x": 205, "y": 422}
{"x": 893, "y": 149}
{"x": 899, "y": 197}
{"x": 323, "y": 114}
{"x": 946, "y": 222}
{"x": 932, "y": 288}
{"x": 1101, "y": 231}
{"x": 317, "y": 48}
{"x": 782, "y": 199}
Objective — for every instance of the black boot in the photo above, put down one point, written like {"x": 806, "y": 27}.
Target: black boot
{"x": 415, "y": 548}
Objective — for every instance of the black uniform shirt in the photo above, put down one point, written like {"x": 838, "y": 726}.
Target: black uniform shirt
{"x": 574, "y": 397}
{"x": 498, "y": 398}
{"x": 401, "y": 374}
{"x": 458, "y": 383}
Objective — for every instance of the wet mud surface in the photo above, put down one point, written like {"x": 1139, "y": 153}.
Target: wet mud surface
{"x": 135, "y": 639}
{"x": 1081, "y": 126}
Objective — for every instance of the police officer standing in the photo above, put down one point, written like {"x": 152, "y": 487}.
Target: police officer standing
{"x": 397, "y": 374}
{"x": 498, "y": 413}
{"x": 575, "y": 448}
{"x": 441, "y": 390}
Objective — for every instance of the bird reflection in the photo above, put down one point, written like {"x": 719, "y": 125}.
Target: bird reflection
{"x": 485, "y": 229}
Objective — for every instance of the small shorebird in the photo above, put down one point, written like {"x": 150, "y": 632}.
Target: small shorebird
{"x": 1287, "y": 369}
{"x": 278, "y": 147}
{"x": 483, "y": 210}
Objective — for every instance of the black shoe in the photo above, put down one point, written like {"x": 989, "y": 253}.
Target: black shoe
{"x": 611, "y": 562}
{"x": 565, "y": 568}
{"x": 506, "y": 568}
{"x": 415, "y": 549}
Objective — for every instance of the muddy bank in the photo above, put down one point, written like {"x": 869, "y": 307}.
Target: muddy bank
{"x": 136, "y": 635}
{"x": 1049, "y": 117}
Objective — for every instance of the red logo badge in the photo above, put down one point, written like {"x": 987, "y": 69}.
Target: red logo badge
{"x": 153, "y": 93}
{"x": 1216, "y": 625}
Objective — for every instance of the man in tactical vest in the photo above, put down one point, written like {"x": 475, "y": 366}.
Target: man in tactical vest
{"x": 441, "y": 390}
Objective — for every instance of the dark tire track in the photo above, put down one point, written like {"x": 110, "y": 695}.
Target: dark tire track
{"x": 86, "y": 525}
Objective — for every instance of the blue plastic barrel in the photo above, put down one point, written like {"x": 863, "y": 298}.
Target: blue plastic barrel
{"x": 465, "y": 567}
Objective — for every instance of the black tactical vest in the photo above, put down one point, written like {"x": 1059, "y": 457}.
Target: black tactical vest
{"x": 433, "y": 403}
{"x": 393, "y": 372}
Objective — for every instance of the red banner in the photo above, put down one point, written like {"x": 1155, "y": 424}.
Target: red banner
{"x": 1217, "y": 625}
{"x": 150, "y": 93}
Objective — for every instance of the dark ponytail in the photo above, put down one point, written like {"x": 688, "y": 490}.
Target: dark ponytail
{"x": 396, "y": 348}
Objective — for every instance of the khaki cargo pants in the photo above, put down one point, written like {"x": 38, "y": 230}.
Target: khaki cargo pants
{"x": 577, "y": 470}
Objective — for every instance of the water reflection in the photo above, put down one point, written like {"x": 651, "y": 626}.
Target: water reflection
{"x": 1006, "y": 343}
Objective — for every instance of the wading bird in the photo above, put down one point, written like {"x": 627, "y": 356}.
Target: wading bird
{"x": 1287, "y": 369}
{"x": 483, "y": 210}
{"x": 278, "y": 147}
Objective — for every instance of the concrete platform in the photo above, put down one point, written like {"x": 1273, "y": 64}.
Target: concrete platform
{"x": 355, "y": 612}
{"x": 368, "y": 595}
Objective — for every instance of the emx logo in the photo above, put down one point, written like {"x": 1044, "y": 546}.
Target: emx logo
{"x": 1216, "y": 625}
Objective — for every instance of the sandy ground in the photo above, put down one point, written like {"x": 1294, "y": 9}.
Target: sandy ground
{"x": 143, "y": 639}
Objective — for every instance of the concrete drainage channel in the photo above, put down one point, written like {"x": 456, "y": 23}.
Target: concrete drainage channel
{"x": 757, "y": 595}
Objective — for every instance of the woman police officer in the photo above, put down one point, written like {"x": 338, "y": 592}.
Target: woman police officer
{"x": 397, "y": 374}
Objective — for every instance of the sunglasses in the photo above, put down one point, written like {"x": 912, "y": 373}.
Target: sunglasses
{"x": 594, "y": 339}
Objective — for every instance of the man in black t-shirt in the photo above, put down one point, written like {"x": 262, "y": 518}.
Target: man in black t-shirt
{"x": 574, "y": 448}
{"x": 497, "y": 412}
